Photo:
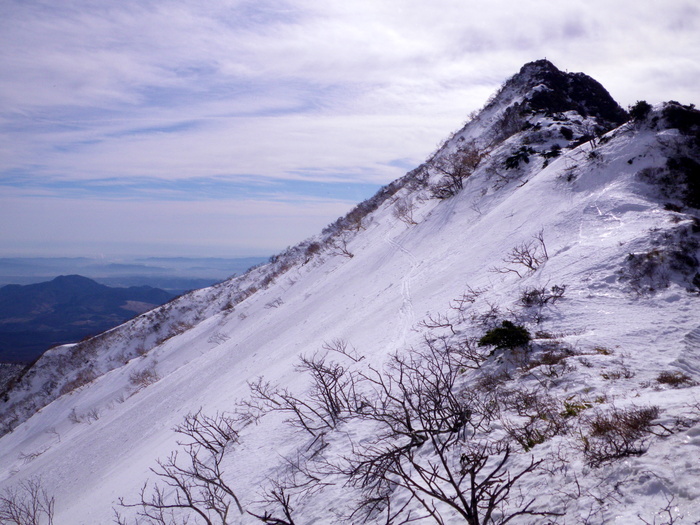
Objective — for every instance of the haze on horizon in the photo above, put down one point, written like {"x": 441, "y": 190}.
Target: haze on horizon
{"x": 234, "y": 128}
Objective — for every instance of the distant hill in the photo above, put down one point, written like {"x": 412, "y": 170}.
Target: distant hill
{"x": 37, "y": 316}
{"x": 173, "y": 274}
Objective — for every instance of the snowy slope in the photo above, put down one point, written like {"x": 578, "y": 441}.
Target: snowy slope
{"x": 616, "y": 328}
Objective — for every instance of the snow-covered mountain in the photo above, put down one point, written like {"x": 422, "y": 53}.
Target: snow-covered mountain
{"x": 510, "y": 332}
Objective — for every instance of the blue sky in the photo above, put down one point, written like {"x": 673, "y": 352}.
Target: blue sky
{"x": 233, "y": 128}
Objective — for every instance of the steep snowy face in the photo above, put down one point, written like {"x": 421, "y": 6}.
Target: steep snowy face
{"x": 509, "y": 332}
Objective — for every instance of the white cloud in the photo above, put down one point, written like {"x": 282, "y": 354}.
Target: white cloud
{"x": 322, "y": 89}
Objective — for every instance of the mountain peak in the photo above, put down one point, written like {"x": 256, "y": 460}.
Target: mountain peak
{"x": 74, "y": 279}
{"x": 539, "y": 66}
{"x": 545, "y": 88}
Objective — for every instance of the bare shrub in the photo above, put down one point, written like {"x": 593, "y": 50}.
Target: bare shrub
{"x": 144, "y": 377}
{"x": 434, "y": 321}
{"x": 197, "y": 486}
{"x": 279, "y": 496}
{"x": 471, "y": 479}
{"x": 645, "y": 272}
{"x": 208, "y": 432}
{"x": 341, "y": 347}
{"x": 73, "y": 416}
{"x": 31, "y": 456}
{"x": 275, "y": 303}
{"x": 538, "y": 417}
{"x": 541, "y": 296}
{"x": 552, "y": 360}
{"x": 675, "y": 379}
{"x": 92, "y": 415}
{"x": 467, "y": 352}
{"x": 218, "y": 338}
{"x": 54, "y": 432}
{"x": 403, "y": 210}
{"x": 491, "y": 382}
{"x": 509, "y": 123}
{"x": 427, "y": 443}
{"x": 282, "y": 494}
{"x": 570, "y": 173}
{"x": 618, "y": 433}
{"x": 339, "y": 246}
{"x": 331, "y": 398}
{"x": 455, "y": 168}
{"x": 621, "y": 372}
{"x": 487, "y": 318}
{"x": 83, "y": 377}
{"x": 417, "y": 395}
{"x": 27, "y": 504}
{"x": 528, "y": 434}
{"x": 669, "y": 513}
{"x": 312, "y": 249}
{"x": 462, "y": 303}
{"x": 333, "y": 390}
{"x": 529, "y": 255}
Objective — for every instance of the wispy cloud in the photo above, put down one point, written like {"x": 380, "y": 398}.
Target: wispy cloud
{"x": 180, "y": 100}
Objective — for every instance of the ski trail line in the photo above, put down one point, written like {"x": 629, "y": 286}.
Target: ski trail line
{"x": 406, "y": 312}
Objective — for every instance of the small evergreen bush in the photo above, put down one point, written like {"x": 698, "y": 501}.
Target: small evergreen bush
{"x": 508, "y": 335}
{"x": 640, "y": 110}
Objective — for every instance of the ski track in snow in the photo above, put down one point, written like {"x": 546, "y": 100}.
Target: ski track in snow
{"x": 406, "y": 312}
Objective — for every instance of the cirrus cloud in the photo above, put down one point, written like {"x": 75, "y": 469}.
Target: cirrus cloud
{"x": 135, "y": 103}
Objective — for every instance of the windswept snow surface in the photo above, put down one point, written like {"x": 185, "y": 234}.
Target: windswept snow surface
{"x": 375, "y": 301}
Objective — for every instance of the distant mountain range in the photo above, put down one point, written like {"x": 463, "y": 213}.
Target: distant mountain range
{"x": 173, "y": 274}
{"x": 38, "y": 316}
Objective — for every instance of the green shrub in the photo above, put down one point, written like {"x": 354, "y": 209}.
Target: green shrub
{"x": 518, "y": 156}
{"x": 508, "y": 335}
{"x": 640, "y": 110}
{"x": 573, "y": 409}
